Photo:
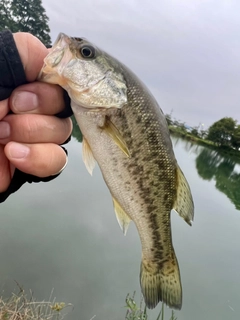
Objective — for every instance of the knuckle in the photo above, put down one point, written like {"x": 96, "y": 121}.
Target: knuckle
{"x": 30, "y": 128}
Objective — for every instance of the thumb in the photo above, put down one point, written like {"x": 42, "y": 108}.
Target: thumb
{"x": 32, "y": 52}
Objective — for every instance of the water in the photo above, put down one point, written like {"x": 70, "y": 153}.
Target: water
{"x": 64, "y": 235}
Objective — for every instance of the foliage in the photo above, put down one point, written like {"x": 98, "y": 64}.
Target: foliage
{"x": 6, "y": 20}
{"x": 236, "y": 138}
{"x": 203, "y": 134}
{"x": 25, "y": 16}
{"x": 213, "y": 166}
{"x": 21, "y": 307}
{"x": 168, "y": 119}
{"x": 183, "y": 127}
{"x": 194, "y": 132}
{"x": 135, "y": 312}
{"x": 222, "y": 132}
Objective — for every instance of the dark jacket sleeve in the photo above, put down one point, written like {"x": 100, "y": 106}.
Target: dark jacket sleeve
{"x": 12, "y": 75}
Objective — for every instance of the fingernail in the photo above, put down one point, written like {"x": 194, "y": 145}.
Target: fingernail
{"x": 62, "y": 167}
{"x": 18, "y": 151}
{"x": 4, "y": 130}
{"x": 25, "y": 101}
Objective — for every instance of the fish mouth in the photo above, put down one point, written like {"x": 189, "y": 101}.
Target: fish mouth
{"x": 64, "y": 40}
{"x": 62, "y": 37}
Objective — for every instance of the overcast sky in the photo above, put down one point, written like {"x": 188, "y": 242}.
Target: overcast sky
{"x": 186, "y": 51}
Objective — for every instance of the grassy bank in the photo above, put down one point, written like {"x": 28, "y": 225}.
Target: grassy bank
{"x": 187, "y": 135}
{"x": 21, "y": 306}
{"x": 135, "y": 312}
{"x": 222, "y": 150}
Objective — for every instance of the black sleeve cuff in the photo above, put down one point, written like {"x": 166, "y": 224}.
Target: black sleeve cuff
{"x": 12, "y": 73}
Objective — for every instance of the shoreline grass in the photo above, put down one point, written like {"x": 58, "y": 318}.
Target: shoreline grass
{"x": 23, "y": 306}
{"x": 135, "y": 312}
{"x": 222, "y": 150}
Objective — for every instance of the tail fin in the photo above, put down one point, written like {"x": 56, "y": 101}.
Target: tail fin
{"x": 161, "y": 282}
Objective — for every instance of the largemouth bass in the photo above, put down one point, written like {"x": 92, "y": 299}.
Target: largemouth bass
{"x": 125, "y": 132}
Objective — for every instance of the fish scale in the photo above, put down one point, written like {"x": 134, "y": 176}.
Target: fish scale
{"x": 125, "y": 132}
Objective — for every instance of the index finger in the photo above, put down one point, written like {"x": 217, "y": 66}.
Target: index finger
{"x": 32, "y": 52}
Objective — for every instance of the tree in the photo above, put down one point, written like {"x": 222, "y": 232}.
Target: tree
{"x": 222, "y": 131}
{"x": 194, "y": 132}
{"x": 25, "y": 16}
{"x": 203, "y": 134}
{"x": 236, "y": 138}
{"x": 6, "y": 19}
{"x": 168, "y": 119}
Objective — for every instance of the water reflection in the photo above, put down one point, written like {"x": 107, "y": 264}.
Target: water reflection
{"x": 211, "y": 165}
{"x": 64, "y": 235}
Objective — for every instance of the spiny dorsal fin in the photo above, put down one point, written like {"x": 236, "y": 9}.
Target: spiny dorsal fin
{"x": 122, "y": 217}
{"x": 88, "y": 157}
{"x": 115, "y": 135}
{"x": 184, "y": 202}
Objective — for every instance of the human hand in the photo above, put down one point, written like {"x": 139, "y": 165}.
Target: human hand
{"x": 30, "y": 137}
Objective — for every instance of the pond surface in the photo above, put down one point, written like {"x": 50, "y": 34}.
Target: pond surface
{"x": 64, "y": 235}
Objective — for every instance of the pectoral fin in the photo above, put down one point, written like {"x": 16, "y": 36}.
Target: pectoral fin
{"x": 115, "y": 135}
{"x": 122, "y": 217}
{"x": 88, "y": 157}
{"x": 184, "y": 202}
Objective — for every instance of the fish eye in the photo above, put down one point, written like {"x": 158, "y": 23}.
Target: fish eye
{"x": 87, "y": 52}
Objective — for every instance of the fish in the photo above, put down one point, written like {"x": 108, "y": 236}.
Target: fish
{"x": 125, "y": 131}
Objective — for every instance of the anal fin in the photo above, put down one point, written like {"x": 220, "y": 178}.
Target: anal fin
{"x": 122, "y": 217}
